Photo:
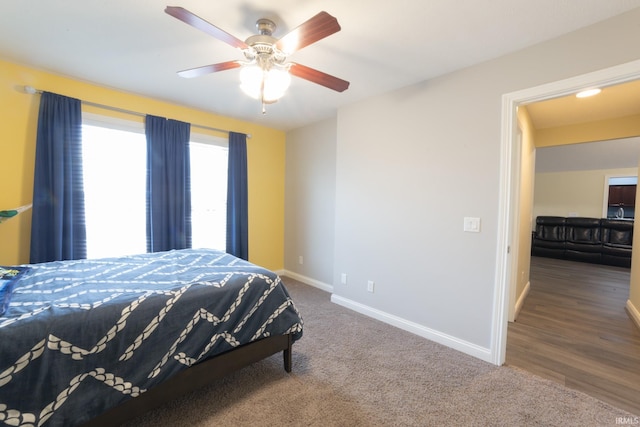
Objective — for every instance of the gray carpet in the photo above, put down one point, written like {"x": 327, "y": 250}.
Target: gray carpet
{"x": 350, "y": 370}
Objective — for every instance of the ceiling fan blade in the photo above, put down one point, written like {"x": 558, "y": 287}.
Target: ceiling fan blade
{"x": 208, "y": 69}
{"x": 318, "y": 77}
{"x": 195, "y": 21}
{"x": 320, "y": 26}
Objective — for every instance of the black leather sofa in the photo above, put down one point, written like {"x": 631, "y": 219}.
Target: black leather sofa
{"x": 595, "y": 240}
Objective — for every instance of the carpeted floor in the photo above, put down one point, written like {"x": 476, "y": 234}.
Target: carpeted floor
{"x": 349, "y": 370}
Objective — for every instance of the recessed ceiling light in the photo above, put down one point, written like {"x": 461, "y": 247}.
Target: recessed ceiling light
{"x": 587, "y": 93}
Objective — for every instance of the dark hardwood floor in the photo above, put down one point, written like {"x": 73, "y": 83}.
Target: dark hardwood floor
{"x": 573, "y": 328}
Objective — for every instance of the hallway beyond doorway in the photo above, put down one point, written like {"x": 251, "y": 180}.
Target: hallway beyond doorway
{"x": 573, "y": 329}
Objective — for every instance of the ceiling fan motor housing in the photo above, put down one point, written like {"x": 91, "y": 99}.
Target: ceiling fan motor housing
{"x": 262, "y": 47}
{"x": 265, "y": 26}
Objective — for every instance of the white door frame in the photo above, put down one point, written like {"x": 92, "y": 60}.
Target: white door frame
{"x": 508, "y": 221}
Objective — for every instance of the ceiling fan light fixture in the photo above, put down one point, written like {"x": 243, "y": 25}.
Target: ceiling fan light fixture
{"x": 266, "y": 75}
{"x": 266, "y": 85}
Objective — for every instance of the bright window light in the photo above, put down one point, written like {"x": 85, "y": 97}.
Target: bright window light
{"x": 114, "y": 169}
{"x": 209, "y": 195}
{"x": 115, "y": 174}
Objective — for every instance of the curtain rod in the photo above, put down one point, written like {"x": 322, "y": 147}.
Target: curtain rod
{"x": 31, "y": 90}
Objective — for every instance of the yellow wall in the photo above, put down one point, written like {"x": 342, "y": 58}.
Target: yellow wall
{"x": 527, "y": 166}
{"x": 633, "y": 303}
{"x": 573, "y": 193}
{"x": 19, "y": 112}
{"x": 615, "y": 128}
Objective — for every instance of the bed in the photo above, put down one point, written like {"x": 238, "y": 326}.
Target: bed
{"x": 96, "y": 342}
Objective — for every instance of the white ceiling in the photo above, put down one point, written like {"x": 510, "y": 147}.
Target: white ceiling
{"x": 134, "y": 46}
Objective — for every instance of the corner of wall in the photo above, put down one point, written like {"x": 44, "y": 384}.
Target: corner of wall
{"x": 633, "y": 313}
{"x": 307, "y": 280}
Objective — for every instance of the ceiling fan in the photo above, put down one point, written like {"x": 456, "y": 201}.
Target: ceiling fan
{"x": 265, "y": 73}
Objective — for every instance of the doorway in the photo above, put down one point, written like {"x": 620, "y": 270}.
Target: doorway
{"x": 510, "y": 175}
{"x": 573, "y": 328}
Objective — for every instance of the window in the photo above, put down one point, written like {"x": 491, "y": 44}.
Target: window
{"x": 114, "y": 173}
{"x": 209, "y": 192}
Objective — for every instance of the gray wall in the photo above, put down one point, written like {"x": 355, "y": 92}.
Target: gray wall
{"x": 411, "y": 164}
{"x": 612, "y": 154}
{"x": 310, "y": 182}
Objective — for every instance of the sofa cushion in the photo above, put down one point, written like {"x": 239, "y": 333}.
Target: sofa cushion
{"x": 583, "y": 230}
{"x": 550, "y": 228}
{"x": 617, "y": 232}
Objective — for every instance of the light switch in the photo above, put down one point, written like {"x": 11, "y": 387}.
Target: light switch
{"x": 472, "y": 224}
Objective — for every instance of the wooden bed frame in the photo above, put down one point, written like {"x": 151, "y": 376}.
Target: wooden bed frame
{"x": 195, "y": 377}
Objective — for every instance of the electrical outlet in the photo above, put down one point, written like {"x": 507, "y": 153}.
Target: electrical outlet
{"x": 343, "y": 278}
{"x": 370, "y": 286}
{"x": 300, "y": 260}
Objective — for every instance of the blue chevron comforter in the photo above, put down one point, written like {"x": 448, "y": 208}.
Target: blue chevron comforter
{"x": 80, "y": 337}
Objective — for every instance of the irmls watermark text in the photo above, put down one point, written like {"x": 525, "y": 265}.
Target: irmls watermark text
{"x": 628, "y": 421}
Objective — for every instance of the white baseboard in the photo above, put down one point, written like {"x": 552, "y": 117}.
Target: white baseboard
{"x": 420, "y": 330}
{"x": 520, "y": 302}
{"x": 307, "y": 280}
{"x": 633, "y": 313}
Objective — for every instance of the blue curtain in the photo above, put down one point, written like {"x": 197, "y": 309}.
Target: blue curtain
{"x": 168, "y": 184}
{"x": 237, "y": 205}
{"x": 58, "y": 224}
